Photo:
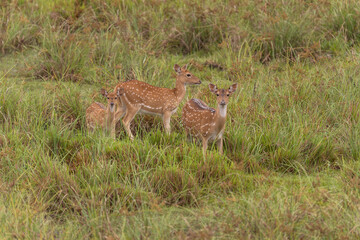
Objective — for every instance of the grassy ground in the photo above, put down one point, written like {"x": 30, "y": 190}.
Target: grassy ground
{"x": 290, "y": 168}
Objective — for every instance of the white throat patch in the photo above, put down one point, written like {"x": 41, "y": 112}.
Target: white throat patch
{"x": 222, "y": 110}
{"x": 112, "y": 108}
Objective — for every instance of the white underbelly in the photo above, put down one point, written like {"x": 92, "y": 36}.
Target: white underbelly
{"x": 142, "y": 111}
{"x": 174, "y": 111}
{"x": 212, "y": 137}
{"x": 216, "y": 136}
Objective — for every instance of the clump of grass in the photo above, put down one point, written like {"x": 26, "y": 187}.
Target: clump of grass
{"x": 67, "y": 148}
{"x": 285, "y": 39}
{"x": 17, "y": 31}
{"x": 280, "y": 31}
{"x": 70, "y": 106}
{"x": 111, "y": 53}
{"x": 126, "y": 198}
{"x": 56, "y": 141}
{"x": 175, "y": 186}
{"x": 350, "y": 177}
{"x": 212, "y": 169}
{"x": 56, "y": 191}
{"x": 354, "y": 143}
{"x": 319, "y": 151}
{"x": 3, "y": 141}
{"x": 201, "y": 27}
{"x": 64, "y": 57}
{"x": 344, "y": 21}
{"x": 10, "y": 102}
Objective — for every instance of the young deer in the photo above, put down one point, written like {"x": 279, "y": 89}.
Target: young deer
{"x": 99, "y": 115}
{"x": 147, "y": 99}
{"x": 207, "y": 123}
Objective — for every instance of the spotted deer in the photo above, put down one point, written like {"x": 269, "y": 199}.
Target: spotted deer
{"x": 207, "y": 123}
{"x": 144, "y": 98}
{"x": 99, "y": 115}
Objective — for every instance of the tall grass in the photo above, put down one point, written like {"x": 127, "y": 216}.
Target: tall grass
{"x": 291, "y": 148}
{"x": 19, "y": 29}
{"x": 74, "y": 36}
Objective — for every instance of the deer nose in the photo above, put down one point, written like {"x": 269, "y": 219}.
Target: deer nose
{"x": 112, "y": 104}
{"x": 222, "y": 102}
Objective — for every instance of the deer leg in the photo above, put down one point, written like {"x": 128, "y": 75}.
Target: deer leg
{"x": 220, "y": 144}
{"x": 112, "y": 120}
{"x": 112, "y": 127}
{"x": 188, "y": 136}
{"x": 166, "y": 120}
{"x": 117, "y": 116}
{"x": 107, "y": 124}
{"x": 120, "y": 111}
{"x": 205, "y": 144}
{"x": 129, "y": 116}
{"x": 192, "y": 138}
{"x": 112, "y": 134}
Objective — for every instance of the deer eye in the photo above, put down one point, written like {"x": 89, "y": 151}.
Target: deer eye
{"x": 217, "y": 94}
{"x": 227, "y": 94}
{"x": 188, "y": 75}
{"x": 116, "y": 98}
{"x": 108, "y": 98}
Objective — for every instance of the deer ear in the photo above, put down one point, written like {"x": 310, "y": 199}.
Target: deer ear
{"x": 121, "y": 91}
{"x": 232, "y": 88}
{"x": 103, "y": 92}
{"x": 177, "y": 68}
{"x": 212, "y": 88}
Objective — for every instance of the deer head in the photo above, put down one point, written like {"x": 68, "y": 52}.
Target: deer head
{"x": 222, "y": 94}
{"x": 111, "y": 98}
{"x": 184, "y": 76}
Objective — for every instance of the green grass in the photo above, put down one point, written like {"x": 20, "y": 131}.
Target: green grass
{"x": 290, "y": 168}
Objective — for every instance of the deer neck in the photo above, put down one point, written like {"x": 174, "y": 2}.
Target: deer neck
{"x": 179, "y": 90}
{"x": 220, "y": 116}
{"x": 110, "y": 115}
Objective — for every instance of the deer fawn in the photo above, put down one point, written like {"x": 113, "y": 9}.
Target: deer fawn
{"x": 205, "y": 122}
{"x": 99, "y": 115}
{"x": 147, "y": 99}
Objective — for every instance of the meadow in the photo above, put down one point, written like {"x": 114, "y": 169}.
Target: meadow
{"x": 290, "y": 168}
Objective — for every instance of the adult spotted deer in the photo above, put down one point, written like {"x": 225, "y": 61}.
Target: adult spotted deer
{"x": 205, "y": 122}
{"x": 147, "y": 99}
{"x": 99, "y": 115}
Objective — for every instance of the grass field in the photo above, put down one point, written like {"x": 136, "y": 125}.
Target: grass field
{"x": 290, "y": 168}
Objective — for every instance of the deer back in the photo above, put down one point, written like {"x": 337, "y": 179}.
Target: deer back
{"x": 198, "y": 118}
{"x": 149, "y": 97}
{"x": 95, "y": 114}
